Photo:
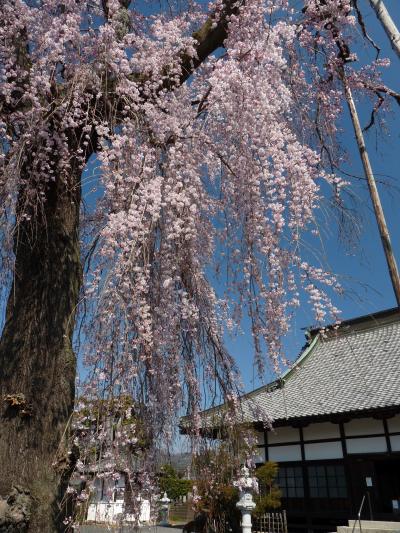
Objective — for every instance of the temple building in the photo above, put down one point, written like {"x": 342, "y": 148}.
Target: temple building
{"x": 336, "y": 425}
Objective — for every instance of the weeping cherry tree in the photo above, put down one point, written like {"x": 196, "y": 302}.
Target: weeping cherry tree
{"x": 210, "y": 134}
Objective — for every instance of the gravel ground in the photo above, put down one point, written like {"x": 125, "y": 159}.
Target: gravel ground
{"x": 128, "y": 529}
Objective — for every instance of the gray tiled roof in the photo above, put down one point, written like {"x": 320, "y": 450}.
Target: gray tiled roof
{"x": 355, "y": 368}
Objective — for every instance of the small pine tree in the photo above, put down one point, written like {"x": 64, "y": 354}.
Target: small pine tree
{"x": 171, "y": 483}
{"x": 269, "y": 496}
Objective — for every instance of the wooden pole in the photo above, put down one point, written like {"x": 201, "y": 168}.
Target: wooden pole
{"x": 388, "y": 24}
{"x": 376, "y": 202}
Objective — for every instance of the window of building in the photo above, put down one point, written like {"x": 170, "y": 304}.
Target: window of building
{"x": 290, "y": 481}
{"x": 119, "y": 491}
{"x": 327, "y": 481}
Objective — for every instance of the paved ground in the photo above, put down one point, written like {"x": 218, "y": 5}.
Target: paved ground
{"x": 128, "y": 529}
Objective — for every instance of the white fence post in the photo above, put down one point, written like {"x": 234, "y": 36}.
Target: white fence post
{"x": 245, "y": 503}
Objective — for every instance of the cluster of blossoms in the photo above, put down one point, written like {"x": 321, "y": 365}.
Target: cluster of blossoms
{"x": 246, "y": 484}
{"x": 110, "y": 438}
{"x": 223, "y": 171}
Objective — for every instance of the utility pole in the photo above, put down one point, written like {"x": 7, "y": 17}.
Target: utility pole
{"x": 376, "y": 202}
{"x": 388, "y": 24}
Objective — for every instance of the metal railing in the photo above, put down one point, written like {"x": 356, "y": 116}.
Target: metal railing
{"x": 367, "y": 497}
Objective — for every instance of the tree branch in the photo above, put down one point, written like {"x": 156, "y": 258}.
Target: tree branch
{"x": 364, "y": 29}
{"x": 383, "y": 89}
{"x": 209, "y": 38}
{"x": 374, "y": 111}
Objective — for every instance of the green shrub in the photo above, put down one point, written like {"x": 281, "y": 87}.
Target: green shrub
{"x": 170, "y": 482}
{"x": 269, "y": 496}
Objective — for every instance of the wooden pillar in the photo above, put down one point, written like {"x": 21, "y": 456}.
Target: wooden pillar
{"x": 307, "y": 500}
{"x": 387, "y": 436}
{"x": 347, "y": 469}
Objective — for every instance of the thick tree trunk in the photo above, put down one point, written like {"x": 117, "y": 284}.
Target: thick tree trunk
{"x": 37, "y": 363}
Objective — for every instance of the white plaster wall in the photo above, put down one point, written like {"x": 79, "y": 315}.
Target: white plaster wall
{"x": 260, "y": 455}
{"x": 144, "y": 511}
{"x": 363, "y": 426}
{"x": 283, "y": 434}
{"x": 260, "y": 437}
{"x": 91, "y": 514}
{"x": 395, "y": 443}
{"x": 366, "y": 445}
{"x": 107, "y": 512}
{"x": 323, "y": 430}
{"x": 394, "y": 424}
{"x": 323, "y": 450}
{"x": 284, "y": 453}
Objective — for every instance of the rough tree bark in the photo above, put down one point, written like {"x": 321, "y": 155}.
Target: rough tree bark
{"x": 37, "y": 363}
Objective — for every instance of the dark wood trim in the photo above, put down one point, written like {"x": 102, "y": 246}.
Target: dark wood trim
{"x": 347, "y": 468}
{"x": 294, "y": 442}
{"x": 300, "y": 442}
{"x": 343, "y": 438}
{"x": 311, "y": 462}
{"x": 303, "y": 453}
{"x": 375, "y": 457}
{"x": 304, "y": 470}
{"x": 386, "y": 412}
{"x": 387, "y": 435}
{"x": 331, "y": 439}
{"x": 266, "y": 444}
{"x": 370, "y": 435}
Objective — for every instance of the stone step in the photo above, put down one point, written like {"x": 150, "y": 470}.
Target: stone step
{"x": 347, "y": 529}
{"x": 370, "y": 527}
{"x": 376, "y": 524}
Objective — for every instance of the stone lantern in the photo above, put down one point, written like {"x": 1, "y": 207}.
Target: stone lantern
{"x": 246, "y": 504}
{"x": 164, "y": 509}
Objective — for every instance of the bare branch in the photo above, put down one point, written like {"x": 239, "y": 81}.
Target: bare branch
{"x": 374, "y": 111}
{"x": 383, "y": 89}
{"x": 364, "y": 29}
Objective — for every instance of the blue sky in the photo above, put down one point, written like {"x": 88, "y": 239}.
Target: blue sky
{"x": 362, "y": 268}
